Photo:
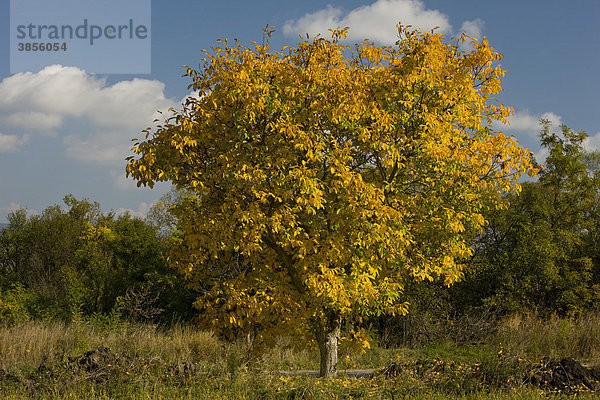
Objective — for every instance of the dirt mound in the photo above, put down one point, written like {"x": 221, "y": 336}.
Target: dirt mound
{"x": 6, "y": 375}
{"x": 95, "y": 364}
{"x": 566, "y": 375}
{"x": 563, "y": 376}
{"x": 182, "y": 370}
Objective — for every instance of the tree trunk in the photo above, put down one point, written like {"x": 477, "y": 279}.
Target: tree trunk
{"x": 327, "y": 339}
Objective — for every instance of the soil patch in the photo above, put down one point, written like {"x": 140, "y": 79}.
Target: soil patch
{"x": 563, "y": 376}
{"x": 553, "y": 376}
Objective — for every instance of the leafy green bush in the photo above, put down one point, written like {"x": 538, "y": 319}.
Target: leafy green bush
{"x": 80, "y": 262}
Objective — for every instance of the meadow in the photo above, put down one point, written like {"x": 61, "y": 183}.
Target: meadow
{"x": 518, "y": 358}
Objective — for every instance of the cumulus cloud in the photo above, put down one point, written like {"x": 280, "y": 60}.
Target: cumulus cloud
{"x": 48, "y": 96}
{"x": 12, "y": 207}
{"x": 96, "y": 120}
{"x": 541, "y": 155}
{"x": 32, "y": 120}
{"x": 12, "y": 143}
{"x": 473, "y": 28}
{"x": 121, "y": 182}
{"x": 100, "y": 146}
{"x": 141, "y": 212}
{"x": 377, "y": 21}
{"x": 527, "y": 124}
{"x": 592, "y": 143}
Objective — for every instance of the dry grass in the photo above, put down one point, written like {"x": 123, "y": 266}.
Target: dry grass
{"x": 35, "y": 342}
{"x": 147, "y": 361}
{"x": 553, "y": 336}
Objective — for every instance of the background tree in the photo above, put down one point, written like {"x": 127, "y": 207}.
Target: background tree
{"x": 332, "y": 177}
{"x": 81, "y": 262}
{"x": 160, "y": 215}
{"x": 37, "y": 249}
{"x": 541, "y": 252}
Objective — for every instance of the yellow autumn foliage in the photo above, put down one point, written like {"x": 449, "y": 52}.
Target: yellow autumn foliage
{"x": 323, "y": 176}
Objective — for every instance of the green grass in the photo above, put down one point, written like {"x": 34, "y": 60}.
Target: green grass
{"x": 253, "y": 386}
{"x": 48, "y": 360}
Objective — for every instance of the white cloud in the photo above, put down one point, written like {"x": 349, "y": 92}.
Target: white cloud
{"x": 96, "y": 120}
{"x": 555, "y": 120}
{"x": 48, "y": 96}
{"x": 12, "y": 207}
{"x": 376, "y": 21}
{"x": 527, "y": 124}
{"x": 316, "y": 22}
{"x": 592, "y": 142}
{"x": 473, "y": 28}
{"x": 121, "y": 182}
{"x": 541, "y": 155}
{"x": 101, "y": 146}
{"x": 141, "y": 212}
{"x": 523, "y": 121}
{"x": 32, "y": 120}
{"x": 12, "y": 143}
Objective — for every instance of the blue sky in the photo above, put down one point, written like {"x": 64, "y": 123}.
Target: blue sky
{"x": 64, "y": 130}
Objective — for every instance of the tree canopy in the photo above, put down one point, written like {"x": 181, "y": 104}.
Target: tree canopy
{"x": 321, "y": 177}
{"x": 79, "y": 262}
{"x": 541, "y": 252}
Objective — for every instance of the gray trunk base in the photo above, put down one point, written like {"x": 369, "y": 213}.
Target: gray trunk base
{"x": 327, "y": 339}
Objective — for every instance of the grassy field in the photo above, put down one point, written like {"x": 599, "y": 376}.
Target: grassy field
{"x": 520, "y": 360}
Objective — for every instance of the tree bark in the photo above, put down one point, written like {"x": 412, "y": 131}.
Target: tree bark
{"x": 327, "y": 338}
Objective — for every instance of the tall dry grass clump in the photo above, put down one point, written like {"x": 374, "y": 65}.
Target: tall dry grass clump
{"x": 35, "y": 342}
{"x": 552, "y": 336}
